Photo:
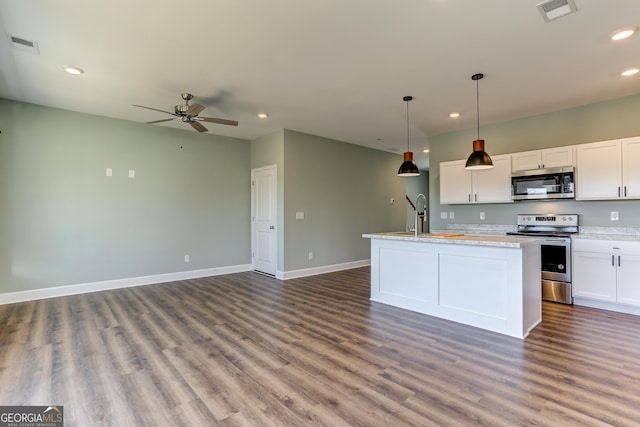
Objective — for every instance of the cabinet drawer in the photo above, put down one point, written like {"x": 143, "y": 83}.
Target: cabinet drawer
{"x": 593, "y": 245}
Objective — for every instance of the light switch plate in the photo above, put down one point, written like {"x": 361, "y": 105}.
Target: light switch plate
{"x": 299, "y": 215}
{"x": 132, "y": 173}
{"x": 109, "y": 172}
{"x": 615, "y": 216}
{"x": 481, "y": 215}
{"x": 443, "y": 215}
{"x": 451, "y": 216}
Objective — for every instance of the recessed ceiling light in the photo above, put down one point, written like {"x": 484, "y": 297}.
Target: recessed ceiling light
{"x": 630, "y": 72}
{"x": 623, "y": 33}
{"x": 263, "y": 115}
{"x": 454, "y": 115}
{"x": 71, "y": 69}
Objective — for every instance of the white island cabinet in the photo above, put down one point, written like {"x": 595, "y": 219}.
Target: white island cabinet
{"x": 490, "y": 282}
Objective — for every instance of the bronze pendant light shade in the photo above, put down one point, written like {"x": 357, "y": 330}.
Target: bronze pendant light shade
{"x": 408, "y": 166}
{"x": 479, "y": 159}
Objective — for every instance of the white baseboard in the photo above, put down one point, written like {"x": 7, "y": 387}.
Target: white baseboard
{"x": 59, "y": 291}
{"x": 285, "y": 275}
{"x": 603, "y": 305}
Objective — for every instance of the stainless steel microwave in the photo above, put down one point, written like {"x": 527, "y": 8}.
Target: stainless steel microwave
{"x": 552, "y": 183}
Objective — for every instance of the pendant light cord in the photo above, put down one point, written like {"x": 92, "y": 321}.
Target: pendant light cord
{"x": 478, "y": 106}
{"x": 407, "y": 125}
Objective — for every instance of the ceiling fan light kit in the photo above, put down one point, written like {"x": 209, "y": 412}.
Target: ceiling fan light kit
{"x": 479, "y": 159}
{"x": 408, "y": 166}
{"x": 188, "y": 113}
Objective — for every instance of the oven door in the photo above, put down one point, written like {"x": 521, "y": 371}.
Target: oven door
{"x": 556, "y": 259}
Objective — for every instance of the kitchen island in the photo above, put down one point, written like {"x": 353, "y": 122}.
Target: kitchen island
{"x": 490, "y": 282}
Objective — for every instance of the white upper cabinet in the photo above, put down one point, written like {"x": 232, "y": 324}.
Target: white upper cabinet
{"x": 458, "y": 185}
{"x": 631, "y": 168}
{"x": 542, "y": 159}
{"x": 608, "y": 170}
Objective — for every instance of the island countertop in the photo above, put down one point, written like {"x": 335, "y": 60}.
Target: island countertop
{"x": 457, "y": 239}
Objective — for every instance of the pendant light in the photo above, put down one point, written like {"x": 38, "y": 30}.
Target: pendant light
{"x": 479, "y": 159}
{"x": 408, "y": 167}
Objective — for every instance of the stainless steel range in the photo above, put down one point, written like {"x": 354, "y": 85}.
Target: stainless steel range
{"x": 555, "y": 250}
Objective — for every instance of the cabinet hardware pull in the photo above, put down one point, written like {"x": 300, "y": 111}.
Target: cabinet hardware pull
{"x": 619, "y": 260}
{"x": 618, "y": 191}
{"x": 625, "y": 191}
{"x": 475, "y": 197}
{"x": 613, "y": 260}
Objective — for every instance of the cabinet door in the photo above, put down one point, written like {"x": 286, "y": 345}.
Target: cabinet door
{"x": 628, "y": 279}
{"x": 594, "y": 275}
{"x": 630, "y": 169}
{"x": 526, "y": 160}
{"x": 455, "y": 183}
{"x": 599, "y": 170}
{"x": 493, "y": 185}
{"x": 557, "y": 157}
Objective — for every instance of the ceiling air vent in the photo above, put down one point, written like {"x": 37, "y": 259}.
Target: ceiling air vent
{"x": 554, "y": 9}
{"x": 24, "y": 44}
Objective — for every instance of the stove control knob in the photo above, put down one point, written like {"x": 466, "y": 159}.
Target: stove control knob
{"x": 528, "y": 218}
{"x": 564, "y": 218}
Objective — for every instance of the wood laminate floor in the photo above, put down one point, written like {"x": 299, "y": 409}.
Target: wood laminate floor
{"x": 248, "y": 350}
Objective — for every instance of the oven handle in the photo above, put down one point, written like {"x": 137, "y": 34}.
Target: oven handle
{"x": 562, "y": 241}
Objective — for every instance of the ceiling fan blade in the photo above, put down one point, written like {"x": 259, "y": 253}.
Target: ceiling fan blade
{"x": 160, "y": 121}
{"x": 197, "y": 126}
{"x": 194, "y": 109}
{"x": 219, "y": 121}
{"x": 154, "y": 109}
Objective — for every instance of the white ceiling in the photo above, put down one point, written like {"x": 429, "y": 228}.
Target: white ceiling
{"x": 334, "y": 68}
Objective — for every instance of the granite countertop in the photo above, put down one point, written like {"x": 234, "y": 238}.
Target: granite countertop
{"x": 626, "y": 234}
{"x": 602, "y": 236}
{"x": 465, "y": 239}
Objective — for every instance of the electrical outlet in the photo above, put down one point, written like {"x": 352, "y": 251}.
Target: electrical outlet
{"x": 443, "y": 215}
{"x": 132, "y": 173}
{"x": 615, "y": 216}
{"x": 109, "y": 172}
{"x": 187, "y": 258}
{"x": 299, "y": 215}
{"x": 481, "y": 215}
{"x": 310, "y": 256}
{"x": 451, "y": 216}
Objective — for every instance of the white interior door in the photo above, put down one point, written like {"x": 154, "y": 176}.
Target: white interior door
{"x": 264, "y": 239}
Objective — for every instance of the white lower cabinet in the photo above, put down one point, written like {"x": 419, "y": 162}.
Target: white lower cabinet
{"x": 606, "y": 271}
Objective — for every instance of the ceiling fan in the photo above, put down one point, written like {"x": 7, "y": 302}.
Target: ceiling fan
{"x": 189, "y": 114}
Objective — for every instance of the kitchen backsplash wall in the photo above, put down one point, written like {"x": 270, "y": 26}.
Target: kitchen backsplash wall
{"x": 589, "y": 123}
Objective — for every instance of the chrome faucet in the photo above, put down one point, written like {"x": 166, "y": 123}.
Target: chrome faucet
{"x": 415, "y": 222}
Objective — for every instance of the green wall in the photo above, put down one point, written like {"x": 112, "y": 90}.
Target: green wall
{"x": 64, "y": 222}
{"x": 344, "y": 191}
{"x": 618, "y": 118}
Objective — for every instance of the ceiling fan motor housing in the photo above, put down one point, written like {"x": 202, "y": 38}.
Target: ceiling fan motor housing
{"x": 181, "y": 109}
